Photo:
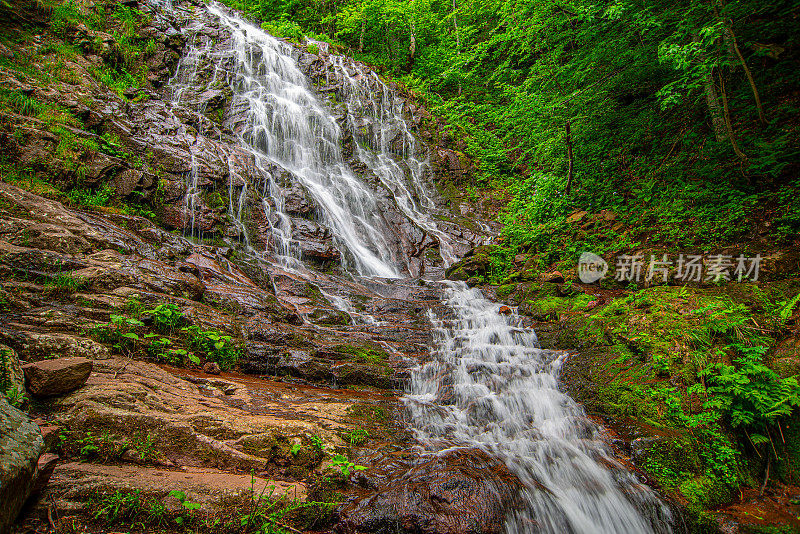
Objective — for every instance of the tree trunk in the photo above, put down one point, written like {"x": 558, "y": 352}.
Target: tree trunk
{"x": 728, "y": 124}
{"x": 570, "y": 158}
{"x": 729, "y": 35}
{"x": 361, "y": 38}
{"x": 733, "y": 48}
{"x": 412, "y": 46}
{"x": 712, "y": 101}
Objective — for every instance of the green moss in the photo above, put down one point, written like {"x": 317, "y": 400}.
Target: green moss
{"x": 547, "y": 308}
{"x": 366, "y": 353}
{"x": 705, "y": 492}
{"x": 214, "y": 200}
{"x": 368, "y": 412}
{"x": 532, "y": 291}
{"x": 505, "y": 290}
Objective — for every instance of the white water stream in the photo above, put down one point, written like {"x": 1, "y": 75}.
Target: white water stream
{"x": 488, "y": 384}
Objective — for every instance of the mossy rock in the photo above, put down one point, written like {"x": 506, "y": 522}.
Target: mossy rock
{"x": 326, "y": 317}
{"x": 504, "y": 291}
{"x": 546, "y": 309}
{"x": 704, "y": 492}
{"x": 349, "y": 373}
{"x": 532, "y": 291}
{"x": 552, "y": 308}
{"x": 368, "y": 353}
{"x": 476, "y": 263}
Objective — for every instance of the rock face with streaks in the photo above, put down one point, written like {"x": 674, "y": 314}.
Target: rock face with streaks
{"x": 20, "y": 446}
{"x": 193, "y": 222}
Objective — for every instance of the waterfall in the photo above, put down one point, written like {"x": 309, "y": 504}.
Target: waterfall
{"x": 490, "y": 386}
{"x": 386, "y": 146}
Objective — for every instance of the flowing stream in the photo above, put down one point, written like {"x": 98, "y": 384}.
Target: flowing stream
{"x": 487, "y": 385}
{"x": 490, "y": 386}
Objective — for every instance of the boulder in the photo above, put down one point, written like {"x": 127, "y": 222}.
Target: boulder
{"x": 554, "y": 277}
{"x": 457, "y": 492}
{"x": 20, "y": 447}
{"x": 212, "y": 368}
{"x": 34, "y": 346}
{"x": 477, "y": 262}
{"x": 49, "y": 378}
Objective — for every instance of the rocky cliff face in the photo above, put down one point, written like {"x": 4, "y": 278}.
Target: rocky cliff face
{"x": 127, "y": 196}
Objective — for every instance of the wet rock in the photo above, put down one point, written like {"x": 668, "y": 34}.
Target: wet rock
{"x": 300, "y": 364}
{"x": 296, "y": 201}
{"x": 314, "y": 241}
{"x": 194, "y": 424}
{"x": 458, "y": 492}
{"x": 326, "y": 316}
{"x": 73, "y": 484}
{"x": 212, "y": 368}
{"x": 20, "y": 447}
{"x": 357, "y": 374}
{"x": 504, "y": 310}
{"x": 50, "y": 378}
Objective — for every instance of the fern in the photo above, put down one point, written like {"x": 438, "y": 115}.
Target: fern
{"x": 749, "y": 393}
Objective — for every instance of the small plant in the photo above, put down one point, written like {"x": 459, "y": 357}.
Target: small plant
{"x": 102, "y": 447}
{"x": 750, "y": 393}
{"x": 146, "y": 448}
{"x": 217, "y": 346}
{"x": 166, "y": 317}
{"x": 64, "y": 283}
{"x": 317, "y": 444}
{"x": 89, "y": 198}
{"x": 116, "y": 506}
{"x": 358, "y": 436}
{"x": 268, "y": 512}
{"x": 345, "y": 465}
{"x": 119, "y": 332}
{"x": 23, "y": 103}
{"x": 187, "y": 505}
{"x": 13, "y": 394}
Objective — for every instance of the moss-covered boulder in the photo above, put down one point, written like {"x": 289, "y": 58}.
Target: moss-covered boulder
{"x": 476, "y": 263}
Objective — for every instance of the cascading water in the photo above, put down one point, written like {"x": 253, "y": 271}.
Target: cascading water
{"x": 488, "y": 385}
{"x": 387, "y": 147}
{"x": 287, "y": 125}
